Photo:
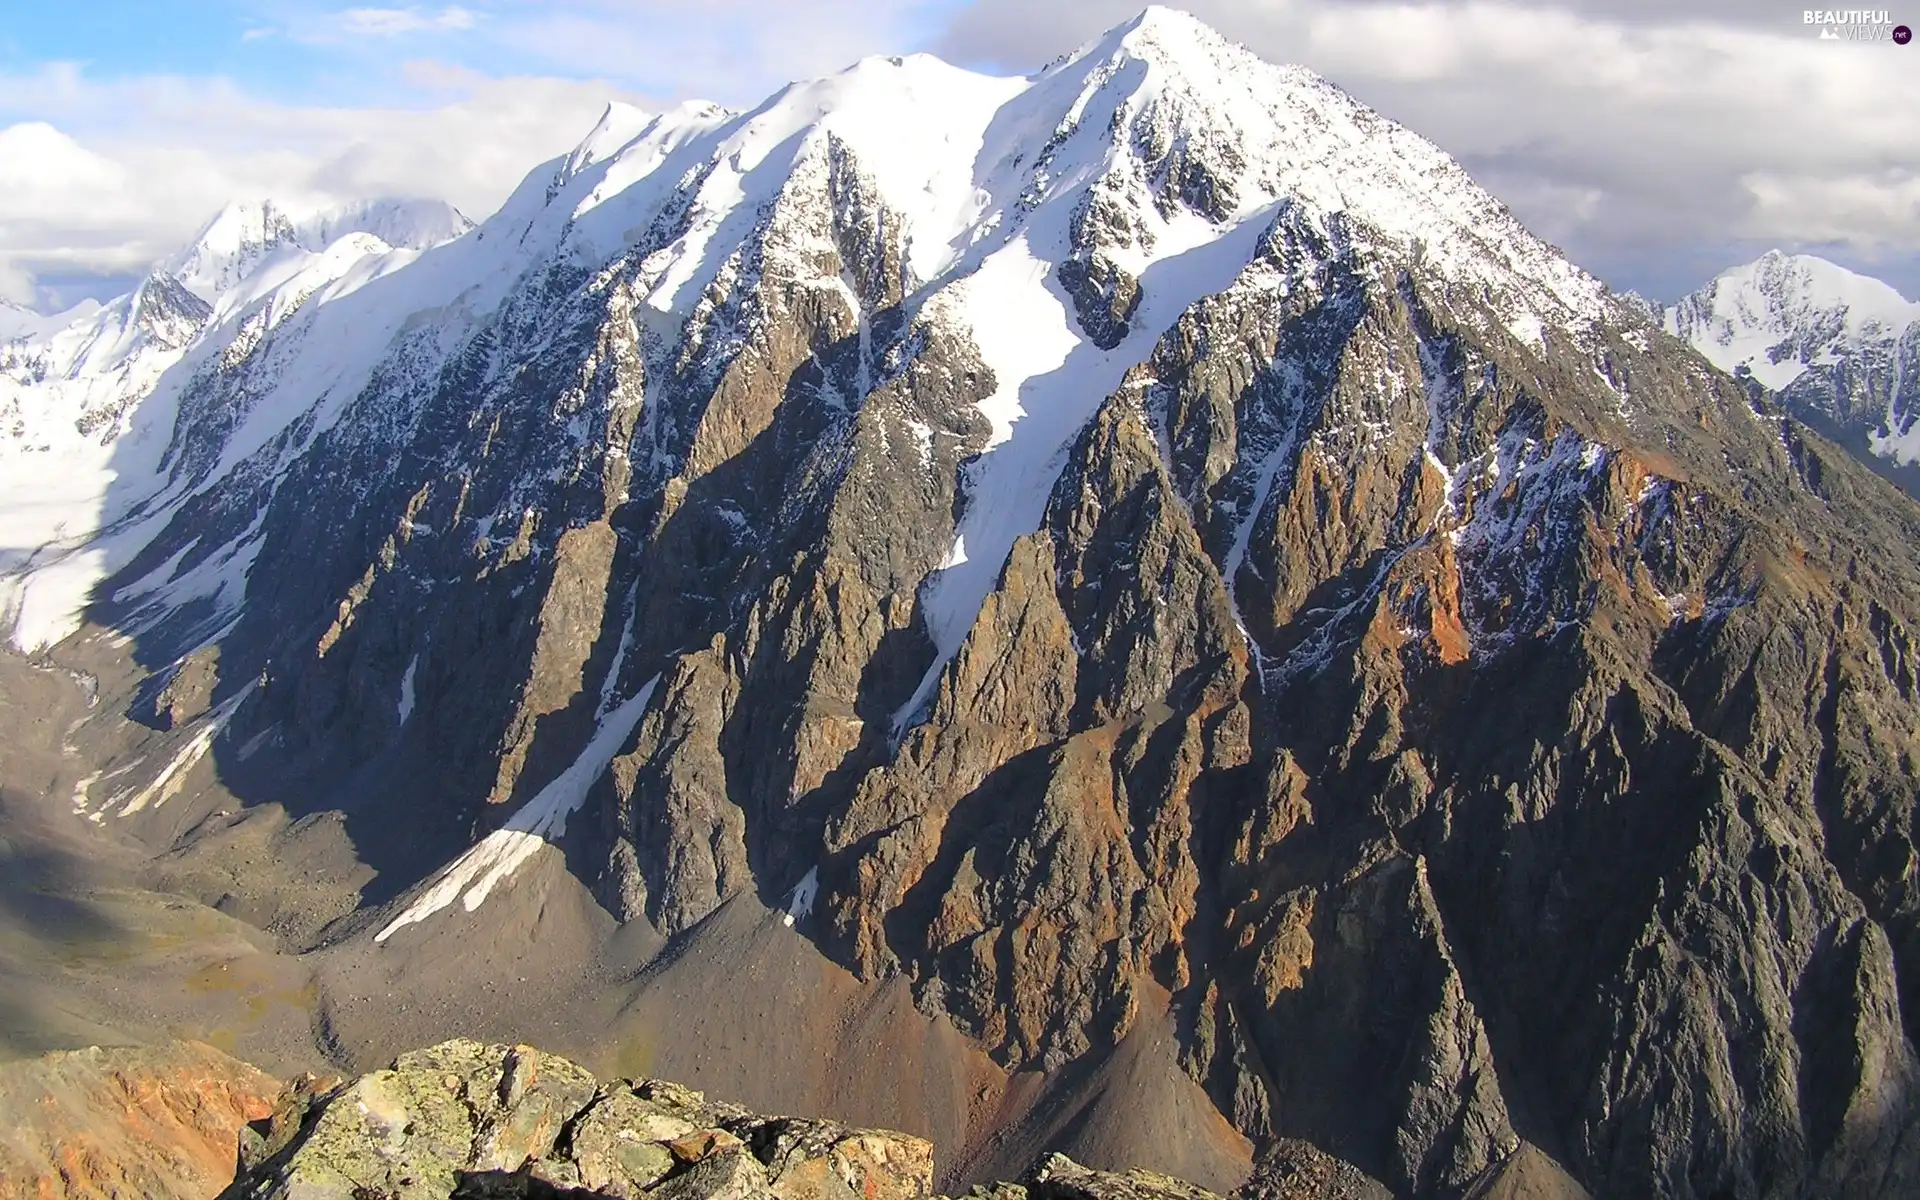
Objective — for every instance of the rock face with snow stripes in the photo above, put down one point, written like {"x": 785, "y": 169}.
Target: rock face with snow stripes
{"x": 1147, "y": 541}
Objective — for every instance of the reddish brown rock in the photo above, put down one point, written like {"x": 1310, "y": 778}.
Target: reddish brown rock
{"x": 162, "y": 1122}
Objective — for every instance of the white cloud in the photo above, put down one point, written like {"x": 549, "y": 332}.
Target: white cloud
{"x": 392, "y": 22}
{"x": 122, "y": 172}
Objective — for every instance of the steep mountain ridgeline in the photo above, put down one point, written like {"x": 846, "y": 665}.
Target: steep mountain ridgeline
{"x": 1189, "y": 556}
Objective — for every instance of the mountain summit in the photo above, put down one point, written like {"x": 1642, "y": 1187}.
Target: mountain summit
{"x": 1842, "y": 349}
{"x": 234, "y": 244}
{"x": 1127, "y": 606}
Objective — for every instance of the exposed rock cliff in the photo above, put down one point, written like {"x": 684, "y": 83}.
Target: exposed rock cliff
{"x": 159, "y": 1122}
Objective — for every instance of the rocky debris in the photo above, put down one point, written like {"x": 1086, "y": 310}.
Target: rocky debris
{"x": 1295, "y": 1170}
{"x": 159, "y": 1122}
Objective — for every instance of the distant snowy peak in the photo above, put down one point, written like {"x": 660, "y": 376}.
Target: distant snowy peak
{"x": 1782, "y": 313}
{"x": 18, "y": 322}
{"x": 245, "y": 235}
{"x": 1833, "y": 342}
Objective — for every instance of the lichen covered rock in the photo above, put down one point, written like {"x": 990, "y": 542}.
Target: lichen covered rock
{"x": 470, "y": 1120}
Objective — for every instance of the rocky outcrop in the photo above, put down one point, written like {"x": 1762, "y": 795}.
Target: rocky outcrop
{"x": 160, "y": 1122}
{"x": 466, "y": 1120}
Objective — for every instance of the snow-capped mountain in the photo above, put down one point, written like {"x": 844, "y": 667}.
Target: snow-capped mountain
{"x": 87, "y": 397}
{"x": 1832, "y": 342}
{"x": 240, "y": 242}
{"x": 1143, "y": 573}
{"x": 1188, "y": 141}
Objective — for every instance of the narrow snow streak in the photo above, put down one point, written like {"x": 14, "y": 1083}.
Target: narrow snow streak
{"x": 804, "y": 894}
{"x": 619, "y": 653}
{"x": 405, "y": 707}
{"x": 167, "y": 784}
{"x": 493, "y": 860}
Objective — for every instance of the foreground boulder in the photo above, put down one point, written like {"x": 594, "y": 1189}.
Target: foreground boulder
{"x": 463, "y": 1119}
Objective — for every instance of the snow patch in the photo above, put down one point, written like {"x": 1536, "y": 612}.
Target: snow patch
{"x": 800, "y": 904}
{"x": 404, "y": 708}
{"x": 167, "y": 784}
{"x": 494, "y": 859}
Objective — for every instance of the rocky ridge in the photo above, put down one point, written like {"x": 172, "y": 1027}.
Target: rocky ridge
{"x": 466, "y": 1120}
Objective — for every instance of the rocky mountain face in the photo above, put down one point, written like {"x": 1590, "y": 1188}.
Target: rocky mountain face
{"x": 1146, "y": 546}
{"x": 1843, "y": 350}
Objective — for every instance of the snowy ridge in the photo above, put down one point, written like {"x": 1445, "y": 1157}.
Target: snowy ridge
{"x": 1161, "y": 150}
{"x": 22, "y": 324}
{"x": 543, "y": 819}
{"x": 87, "y": 408}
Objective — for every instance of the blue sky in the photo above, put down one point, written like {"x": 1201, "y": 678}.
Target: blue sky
{"x": 126, "y": 37}
{"x": 1657, "y": 144}
{"x": 302, "y": 52}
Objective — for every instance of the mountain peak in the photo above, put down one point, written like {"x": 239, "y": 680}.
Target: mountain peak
{"x": 619, "y": 124}
{"x": 246, "y": 233}
{"x": 1784, "y": 316}
{"x": 1172, "y": 39}
{"x": 1796, "y": 283}
{"x": 1162, "y": 25}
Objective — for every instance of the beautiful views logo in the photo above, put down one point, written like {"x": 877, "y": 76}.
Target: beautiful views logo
{"x": 1856, "y": 25}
